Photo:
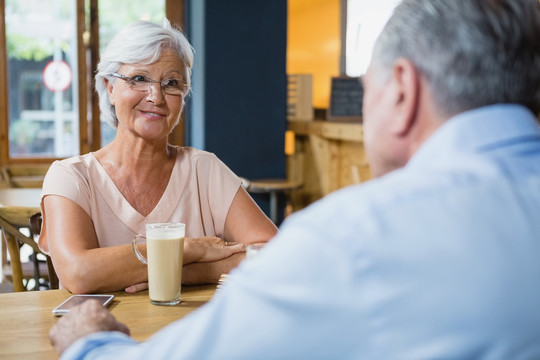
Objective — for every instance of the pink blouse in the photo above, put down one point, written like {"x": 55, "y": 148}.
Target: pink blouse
{"x": 199, "y": 194}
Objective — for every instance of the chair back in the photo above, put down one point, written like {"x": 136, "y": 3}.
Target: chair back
{"x": 15, "y": 239}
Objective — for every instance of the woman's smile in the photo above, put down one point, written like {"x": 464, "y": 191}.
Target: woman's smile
{"x": 152, "y": 115}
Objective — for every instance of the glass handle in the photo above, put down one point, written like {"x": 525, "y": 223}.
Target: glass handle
{"x": 136, "y": 251}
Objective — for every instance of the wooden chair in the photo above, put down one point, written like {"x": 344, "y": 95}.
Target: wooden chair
{"x": 24, "y": 176}
{"x": 42, "y": 272}
{"x": 20, "y": 176}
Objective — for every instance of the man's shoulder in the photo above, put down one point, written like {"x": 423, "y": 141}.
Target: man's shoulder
{"x": 386, "y": 203}
{"x": 399, "y": 186}
{"x": 361, "y": 203}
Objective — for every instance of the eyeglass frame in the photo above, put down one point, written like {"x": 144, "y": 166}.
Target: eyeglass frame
{"x": 149, "y": 82}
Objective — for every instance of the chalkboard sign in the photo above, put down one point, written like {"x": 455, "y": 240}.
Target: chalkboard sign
{"x": 346, "y": 99}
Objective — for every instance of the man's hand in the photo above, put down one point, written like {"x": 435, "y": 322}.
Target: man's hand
{"x": 82, "y": 320}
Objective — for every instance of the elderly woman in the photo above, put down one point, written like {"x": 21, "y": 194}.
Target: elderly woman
{"x": 93, "y": 205}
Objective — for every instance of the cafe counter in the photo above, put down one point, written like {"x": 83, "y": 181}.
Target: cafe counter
{"x": 327, "y": 156}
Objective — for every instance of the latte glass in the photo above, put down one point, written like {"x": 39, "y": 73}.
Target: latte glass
{"x": 165, "y": 251}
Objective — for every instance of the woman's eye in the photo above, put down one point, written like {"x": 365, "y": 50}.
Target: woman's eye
{"x": 139, "y": 79}
{"x": 171, "y": 83}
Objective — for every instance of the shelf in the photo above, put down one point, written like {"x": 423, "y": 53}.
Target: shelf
{"x": 329, "y": 130}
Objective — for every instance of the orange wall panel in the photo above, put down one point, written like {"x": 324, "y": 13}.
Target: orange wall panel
{"x": 313, "y": 43}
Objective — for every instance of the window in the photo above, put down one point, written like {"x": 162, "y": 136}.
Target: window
{"x": 365, "y": 21}
{"x": 42, "y": 92}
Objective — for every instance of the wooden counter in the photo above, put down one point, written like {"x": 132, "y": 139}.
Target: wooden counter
{"x": 328, "y": 156}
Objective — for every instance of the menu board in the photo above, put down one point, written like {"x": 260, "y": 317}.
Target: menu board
{"x": 346, "y": 99}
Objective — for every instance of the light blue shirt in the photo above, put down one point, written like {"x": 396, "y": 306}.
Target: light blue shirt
{"x": 437, "y": 260}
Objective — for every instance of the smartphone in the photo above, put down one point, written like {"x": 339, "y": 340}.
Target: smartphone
{"x": 75, "y": 300}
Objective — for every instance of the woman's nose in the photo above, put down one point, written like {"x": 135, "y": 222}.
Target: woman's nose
{"x": 155, "y": 93}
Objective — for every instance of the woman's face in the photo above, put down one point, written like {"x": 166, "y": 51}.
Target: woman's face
{"x": 150, "y": 114}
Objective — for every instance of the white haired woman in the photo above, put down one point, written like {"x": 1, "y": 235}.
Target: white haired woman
{"x": 94, "y": 204}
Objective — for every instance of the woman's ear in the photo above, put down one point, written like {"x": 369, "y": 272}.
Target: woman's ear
{"x": 407, "y": 82}
{"x": 109, "y": 86}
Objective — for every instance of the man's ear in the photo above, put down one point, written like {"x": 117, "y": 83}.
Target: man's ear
{"x": 407, "y": 84}
{"x": 109, "y": 88}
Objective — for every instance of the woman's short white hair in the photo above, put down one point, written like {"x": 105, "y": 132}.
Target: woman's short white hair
{"x": 141, "y": 42}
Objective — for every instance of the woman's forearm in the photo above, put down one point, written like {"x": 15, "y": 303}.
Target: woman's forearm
{"x": 116, "y": 268}
{"x": 101, "y": 269}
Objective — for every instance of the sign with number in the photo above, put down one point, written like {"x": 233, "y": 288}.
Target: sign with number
{"x": 57, "y": 75}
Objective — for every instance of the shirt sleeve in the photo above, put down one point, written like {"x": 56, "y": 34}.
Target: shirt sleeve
{"x": 101, "y": 342}
{"x": 67, "y": 178}
{"x": 219, "y": 186}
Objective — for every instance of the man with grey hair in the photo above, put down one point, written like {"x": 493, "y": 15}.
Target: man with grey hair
{"x": 437, "y": 258}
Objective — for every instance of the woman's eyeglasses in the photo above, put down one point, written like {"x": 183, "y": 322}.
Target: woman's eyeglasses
{"x": 143, "y": 83}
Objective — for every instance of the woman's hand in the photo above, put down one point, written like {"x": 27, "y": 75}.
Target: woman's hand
{"x": 209, "y": 248}
{"x": 203, "y": 250}
{"x": 136, "y": 287}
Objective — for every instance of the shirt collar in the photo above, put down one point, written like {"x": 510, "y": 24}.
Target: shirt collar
{"x": 474, "y": 130}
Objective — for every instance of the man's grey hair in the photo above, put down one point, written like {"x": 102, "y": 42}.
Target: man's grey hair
{"x": 473, "y": 53}
{"x": 141, "y": 42}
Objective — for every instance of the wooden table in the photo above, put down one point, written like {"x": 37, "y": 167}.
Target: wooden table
{"x": 25, "y": 318}
{"x": 17, "y": 205}
{"x": 16, "y": 208}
